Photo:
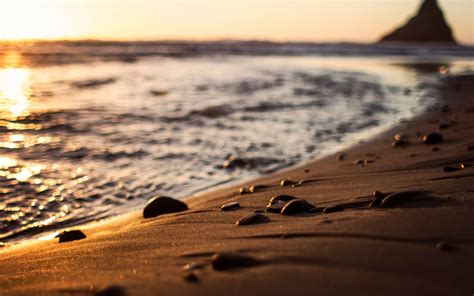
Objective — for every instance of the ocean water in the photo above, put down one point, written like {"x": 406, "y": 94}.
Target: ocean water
{"x": 92, "y": 130}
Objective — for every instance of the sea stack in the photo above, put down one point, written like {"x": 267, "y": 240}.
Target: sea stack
{"x": 427, "y": 26}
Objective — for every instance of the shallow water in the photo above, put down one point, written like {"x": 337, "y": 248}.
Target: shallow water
{"x": 83, "y": 141}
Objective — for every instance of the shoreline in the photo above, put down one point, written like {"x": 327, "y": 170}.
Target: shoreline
{"x": 386, "y": 245}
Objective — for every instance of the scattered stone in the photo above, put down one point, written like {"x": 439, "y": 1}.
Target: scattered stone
{"x": 433, "y": 138}
{"x": 336, "y": 208}
{"x": 163, "y": 205}
{"x": 70, "y": 235}
{"x": 397, "y": 198}
{"x": 296, "y": 206}
{"x": 158, "y": 93}
{"x": 444, "y": 246}
{"x": 226, "y": 261}
{"x": 255, "y": 188}
{"x": 230, "y": 206}
{"x": 282, "y": 197}
{"x": 112, "y": 291}
{"x": 276, "y": 207}
{"x": 234, "y": 161}
{"x": 193, "y": 266}
{"x": 341, "y": 157}
{"x": 191, "y": 277}
{"x": 359, "y": 161}
{"x": 400, "y": 140}
{"x": 255, "y": 218}
{"x": 287, "y": 182}
{"x": 243, "y": 190}
{"x": 449, "y": 169}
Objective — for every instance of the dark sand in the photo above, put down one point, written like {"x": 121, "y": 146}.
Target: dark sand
{"x": 359, "y": 251}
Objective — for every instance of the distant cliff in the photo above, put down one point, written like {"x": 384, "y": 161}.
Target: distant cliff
{"x": 427, "y": 26}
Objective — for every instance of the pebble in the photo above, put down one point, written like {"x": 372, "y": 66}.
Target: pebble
{"x": 70, "y": 235}
{"x": 470, "y": 147}
{"x": 399, "y": 140}
{"x": 276, "y": 207}
{"x": 287, "y": 182}
{"x": 449, "y": 169}
{"x": 336, "y": 208}
{"x": 444, "y": 246}
{"x": 230, "y": 206}
{"x": 226, "y": 261}
{"x": 282, "y": 197}
{"x": 432, "y": 138}
{"x": 191, "y": 277}
{"x": 163, "y": 205}
{"x": 296, "y": 206}
{"x": 341, "y": 157}
{"x": 252, "y": 219}
{"x": 193, "y": 266}
{"x": 112, "y": 291}
{"x": 255, "y": 188}
{"x": 435, "y": 149}
{"x": 397, "y": 198}
{"x": 243, "y": 190}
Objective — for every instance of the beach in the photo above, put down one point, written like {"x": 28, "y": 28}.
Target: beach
{"x": 422, "y": 244}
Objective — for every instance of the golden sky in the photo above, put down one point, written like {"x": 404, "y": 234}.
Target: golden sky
{"x": 279, "y": 20}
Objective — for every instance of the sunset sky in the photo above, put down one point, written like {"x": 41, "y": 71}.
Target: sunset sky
{"x": 279, "y": 20}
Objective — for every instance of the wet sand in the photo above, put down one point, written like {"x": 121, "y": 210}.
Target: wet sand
{"x": 423, "y": 245}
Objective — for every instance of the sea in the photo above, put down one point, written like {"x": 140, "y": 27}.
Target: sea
{"x": 93, "y": 129}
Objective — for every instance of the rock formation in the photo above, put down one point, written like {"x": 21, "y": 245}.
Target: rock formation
{"x": 427, "y": 26}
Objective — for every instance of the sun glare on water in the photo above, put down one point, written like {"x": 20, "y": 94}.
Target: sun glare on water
{"x": 14, "y": 88}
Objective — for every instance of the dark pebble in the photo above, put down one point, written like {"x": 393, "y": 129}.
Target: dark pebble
{"x": 449, "y": 169}
{"x": 255, "y": 188}
{"x": 470, "y": 147}
{"x": 359, "y": 161}
{"x": 333, "y": 209}
{"x": 252, "y": 219}
{"x": 432, "y": 138}
{"x": 444, "y": 246}
{"x": 243, "y": 190}
{"x": 191, "y": 277}
{"x": 112, "y": 291}
{"x": 397, "y": 198}
{"x": 70, "y": 235}
{"x": 296, "y": 206}
{"x": 435, "y": 149}
{"x": 287, "y": 182}
{"x": 230, "y": 206}
{"x": 443, "y": 126}
{"x": 193, "y": 266}
{"x": 282, "y": 197}
{"x": 399, "y": 140}
{"x": 163, "y": 205}
{"x": 226, "y": 261}
{"x": 341, "y": 157}
{"x": 276, "y": 207}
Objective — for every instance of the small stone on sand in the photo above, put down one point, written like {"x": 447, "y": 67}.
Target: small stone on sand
{"x": 296, "y": 206}
{"x": 230, "y": 206}
{"x": 432, "y": 138}
{"x": 398, "y": 198}
{"x": 444, "y": 246}
{"x": 243, "y": 190}
{"x": 226, "y": 261}
{"x": 112, "y": 291}
{"x": 375, "y": 203}
{"x": 70, "y": 235}
{"x": 191, "y": 277}
{"x": 163, "y": 205}
{"x": 276, "y": 207}
{"x": 287, "y": 182}
{"x": 255, "y": 218}
{"x": 333, "y": 209}
{"x": 341, "y": 157}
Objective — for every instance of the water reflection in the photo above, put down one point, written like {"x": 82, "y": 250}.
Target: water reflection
{"x": 15, "y": 87}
